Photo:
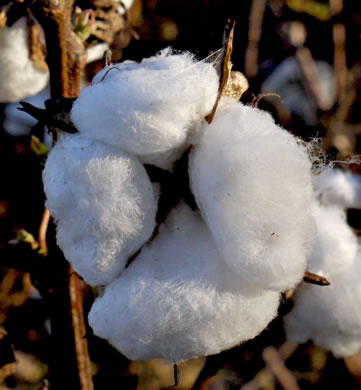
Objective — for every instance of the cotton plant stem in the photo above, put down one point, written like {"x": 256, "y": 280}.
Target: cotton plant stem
{"x": 66, "y": 56}
{"x": 81, "y": 344}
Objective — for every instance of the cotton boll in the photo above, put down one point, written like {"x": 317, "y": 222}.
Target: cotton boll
{"x": 336, "y": 245}
{"x": 19, "y": 78}
{"x": 338, "y": 187}
{"x": 252, "y": 182}
{"x": 330, "y": 316}
{"x": 178, "y": 299}
{"x": 148, "y": 109}
{"x": 103, "y": 202}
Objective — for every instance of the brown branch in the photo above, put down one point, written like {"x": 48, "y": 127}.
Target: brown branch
{"x": 81, "y": 344}
{"x": 66, "y": 57}
{"x": 66, "y": 54}
{"x": 319, "y": 280}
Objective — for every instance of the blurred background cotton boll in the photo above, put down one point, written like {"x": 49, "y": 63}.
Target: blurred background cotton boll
{"x": 19, "y": 76}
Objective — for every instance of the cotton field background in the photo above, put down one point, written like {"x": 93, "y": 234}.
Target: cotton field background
{"x": 180, "y": 203}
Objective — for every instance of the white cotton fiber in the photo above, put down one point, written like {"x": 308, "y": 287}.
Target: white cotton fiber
{"x": 103, "y": 203}
{"x": 19, "y": 77}
{"x": 178, "y": 299}
{"x": 336, "y": 245}
{"x": 147, "y": 109}
{"x": 339, "y": 187}
{"x": 252, "y": 182}
{"x": 329, "y": 316}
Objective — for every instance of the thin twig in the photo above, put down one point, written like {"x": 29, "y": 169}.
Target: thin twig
{"x": 310, "y": 71}
{"x": 81, "y": 343}
{"x": 42, "y": 232}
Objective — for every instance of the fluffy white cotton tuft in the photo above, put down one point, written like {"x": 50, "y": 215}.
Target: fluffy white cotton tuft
{"x": 336, "y": 245}
{"x": 339, "y": 187}
{"x": 252, "y": 182}
{"x": 103, "y": 202}
{"x": 330, "y": 316}
{"x": 19, "y": 77}
{"x": 147, "y": 109}
{"x": 178, "y": 299}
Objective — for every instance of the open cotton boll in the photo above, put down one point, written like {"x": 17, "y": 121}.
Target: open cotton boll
{"x": 339, "y": 187}
{"x": 147, "y": 109}
{"x": 336, "y": 245}
{"x": 103, "y": 203}
{"x": 19, "y": 77}
{"x": 252, "y": 182}
{"x": 178, "y": 299}
{"x": 329, "y": 316}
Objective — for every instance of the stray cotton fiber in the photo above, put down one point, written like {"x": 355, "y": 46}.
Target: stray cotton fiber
{"x": 19, "y": 77}
{"x": 252, "y": 182}
{"x": 179, "y": 300}
{"x": 103, "y": 203}
{"x": 148, "y": 109}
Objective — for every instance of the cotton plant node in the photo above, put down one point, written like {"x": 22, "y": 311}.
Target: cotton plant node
{"x": 330, "y": 316}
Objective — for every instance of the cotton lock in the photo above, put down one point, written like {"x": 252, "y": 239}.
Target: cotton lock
{"x": 148, "y": 109}
{"x": 255, "y": 195}
{"x": 178, "y": 300}
{"x": 103, "y": 203}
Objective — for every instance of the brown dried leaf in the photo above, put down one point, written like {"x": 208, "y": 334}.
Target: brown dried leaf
{"x": 236, "y": 85}
{"x": 226, "y": 65}
{"x": 319, "y": 280}
{"x": 3, "y": 17}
